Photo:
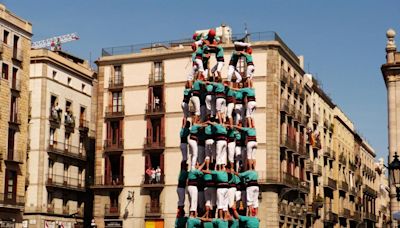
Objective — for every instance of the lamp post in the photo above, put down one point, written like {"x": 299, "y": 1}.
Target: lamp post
{"x": 394, "y": 178}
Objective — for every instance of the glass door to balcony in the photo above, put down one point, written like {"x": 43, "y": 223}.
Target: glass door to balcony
{"x": 116, "y": 102}
{"x": 10, "y": 189}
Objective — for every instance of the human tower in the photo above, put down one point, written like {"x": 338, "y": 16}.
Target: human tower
{"x": 219, "y": 176}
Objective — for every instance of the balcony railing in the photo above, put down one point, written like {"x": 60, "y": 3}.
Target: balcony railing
{"x": 315, "y": 118}
{"x": 292, "y": 211}
{"x": 309, "y": 166}
{"x": 150, "y": 143}
{"x": 114, "y": 111}
{"x": 292, "y": 110}
{"x": 342, "y": 159}
{"x": 149, "y": 182}
{"x": 61, "y": 181}
{"x": 330, "y": 183}
{"x": 328, "y": 152}
{"x": 153, "y": 210}
{"x": 156, "y": 79}
{"x": 370, "y": 216}
{"x": 317, "y": 169}
{"x": 344, "y": 213}
{"x": 330, "y": 217}
{"x": 69, "y": 122}
{"x": 343, "y": 186}
{"x": 154, "y": 109}
{"x": 326, "y": 124}
{"x": 317, "y": 144}
{"x": 55, "y": 117}
{"x": 289, "y": 179}
{"x": 15, "y": 118}
{"x": 16, "y": 85}
{"x": 284, "y": 76}
{"x": 284, "y": 105}
{"x": 83, "y": 125}
{"x": 353, "y": 191}
{"x": 15, "y": 156}
{"x": 66, "y": 150}
{"x": 370, "y": 191}
{"x": 356, "y": 216}
{"x": 111, "y": 210}
{"x": 9, "y": 201}
{"x": 116, "y": 83}
{"x": 114, "y": 181}
{"x": 114, "y": 144}
{"x": 18, "y": 54}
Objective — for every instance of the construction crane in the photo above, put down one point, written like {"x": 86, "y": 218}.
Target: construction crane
{"x": 55, "y": 42}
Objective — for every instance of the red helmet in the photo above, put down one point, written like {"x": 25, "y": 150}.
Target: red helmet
{"x": 249, "y": 50}
{"x": 194, "y": 36}
{"x": 211, "y": 32}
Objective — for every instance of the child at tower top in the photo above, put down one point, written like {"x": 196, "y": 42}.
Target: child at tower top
{"x": 212, "y": 42}
{"x": 232, "y": 68}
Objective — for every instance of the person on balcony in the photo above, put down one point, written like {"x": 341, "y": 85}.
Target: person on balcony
{"x": 250, "y": 178}
{"x": 158, "y": 174}
{"x": 153, "y": 175}
{"x": 193, "y": 180}
{"x": 148, "y": 173}
{"x": 183, "y": 175}
{"x": 157, "y": 103}
{"x": 56, "y": 111}
{"x": 184, "y": 133}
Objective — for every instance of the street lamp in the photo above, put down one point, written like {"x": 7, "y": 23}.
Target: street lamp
{"x": 394, "y": 172}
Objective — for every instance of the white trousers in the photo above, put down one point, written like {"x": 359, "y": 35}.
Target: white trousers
{"x": 201, "y": 154}
{"x": 251, "y": 108}
{"x": 185, "y": 109}
{"x": 199, "y": 64}
{"x": 239, "y": 110}
{"x": 196, "y": 103}
{"x": 193, "y": 197}
{"x": 210, "y": 149}
{"x": 210, "y": 195}
{"x": 238, "y": 196}
{"x": 221, "y": 105}
{"x": 252, "y": 193}
{"x": 250, "y": 71}
{"x": 231, "y": 151}
{"x": 181, "y": 196}
{"x": 210, "y": 104}
{"x": 221, "y": 152}
{"x": 217, "y": 67}
{"x": 184, "y": 148}
{"x": 192, "y": 72}
{"x": 229, "y": 109}
{"x": 231, "y": 71}
{"x": 231, "y": 196}
{"x": 193, "y": 152}
{"x": 222, "y": 199}
{"x": 251, "y": 149}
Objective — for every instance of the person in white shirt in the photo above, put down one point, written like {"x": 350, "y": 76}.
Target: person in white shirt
{"x": 158, "y": 174}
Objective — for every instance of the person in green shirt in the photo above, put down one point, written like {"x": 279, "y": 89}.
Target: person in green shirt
{"x": 220, "y": 138}
{"x": 210, "y": 192}
{"x": 208, "y": 224}
{"x": 239, "y": 108}
{"x": 197, "y": 90}
{"x": 251, "y": 104}
{"x": 216, "y": 222}
{"x": 193, "y": 223}
{"x": 209, "y": 132}
{"x": 210, "y": 99}
{"x": 187, "y": 93}
{"x": 184, "y": 133}
{"x": 222, "y": 190}
{"x": 180, "y": 222}
{"x": 250, "y": 177}
{"x": 193, "y": 181}
{"x": 232, "y": 68}
{"x": 250, "y": 65}
{"x": 230, "y": 102}
{"x": 246, "y": 221}
{"x": 231, "y": 146}
{"x": 251, "y": 145}
{"x": 220, "y": 102}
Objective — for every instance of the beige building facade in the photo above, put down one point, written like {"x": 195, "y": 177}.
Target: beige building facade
{"x": 306, "y": 164}
{"x": 15, "y": 34}
{"x": 61, "y": 125}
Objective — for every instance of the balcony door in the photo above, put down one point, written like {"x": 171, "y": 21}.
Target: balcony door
{"x": 117, "y": 102}
{"x": 11, "y": 144}
{"x": 10, "y": 189}
{"x": 114, "y": 134}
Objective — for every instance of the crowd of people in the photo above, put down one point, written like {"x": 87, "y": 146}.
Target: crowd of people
{"x": 219, "y": 142}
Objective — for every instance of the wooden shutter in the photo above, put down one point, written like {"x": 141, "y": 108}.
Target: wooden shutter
{"x": 121, "y": 171}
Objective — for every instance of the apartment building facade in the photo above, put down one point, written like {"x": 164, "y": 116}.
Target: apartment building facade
{"x": 15, "y": 44}
{"x": 139, "y": 117}
{"x": 61, "y": 129}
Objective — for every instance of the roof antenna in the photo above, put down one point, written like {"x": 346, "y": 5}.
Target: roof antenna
{"x": 245, "y": 28}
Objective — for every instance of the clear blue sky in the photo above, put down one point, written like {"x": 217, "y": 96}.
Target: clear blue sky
{"x": 342, "y": 41}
